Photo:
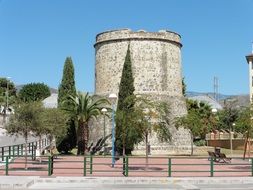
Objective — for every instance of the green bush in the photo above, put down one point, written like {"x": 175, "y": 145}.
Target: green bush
{"x": 200, "y": 142}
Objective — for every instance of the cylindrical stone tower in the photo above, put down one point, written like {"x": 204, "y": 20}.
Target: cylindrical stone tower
{"x": 156, "y": 64}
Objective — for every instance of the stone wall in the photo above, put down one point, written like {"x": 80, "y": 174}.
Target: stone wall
{"x": 156, "y": 64}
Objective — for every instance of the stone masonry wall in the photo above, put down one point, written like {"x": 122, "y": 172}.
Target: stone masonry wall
{"x": 156, "y": 62}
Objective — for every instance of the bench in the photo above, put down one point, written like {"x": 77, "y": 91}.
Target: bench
{"x": 218, "y": 157}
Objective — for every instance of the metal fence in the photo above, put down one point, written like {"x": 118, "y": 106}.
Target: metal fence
{"x": 125, "y": 166}
{"x": 19, "y": 149}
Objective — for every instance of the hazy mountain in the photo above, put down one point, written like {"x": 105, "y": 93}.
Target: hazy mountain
{"x": 241, "y": 100}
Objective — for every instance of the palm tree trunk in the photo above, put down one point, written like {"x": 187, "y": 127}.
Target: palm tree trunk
{"x": 86, "y": 137}
{"x": 79, "y": 139}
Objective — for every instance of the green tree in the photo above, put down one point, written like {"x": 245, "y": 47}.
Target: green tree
{"x": 243, "y": 122}
{"x": 84, "y": 108}
{"x": 34, "y": 92}
{"x": 7, "y": 88}
{"x": 199, "y": 120}
{"x": 26, "y": 119}
{"x": 67, "y": 88}
{"x": 54, "y": 124}
{"x": 228, "y": 116}
{"x": 144, "y": 118}
{"x": 126, "y": 89}
{"x": 192, "y": 122}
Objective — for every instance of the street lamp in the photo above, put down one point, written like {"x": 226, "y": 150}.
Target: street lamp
{"x": 104, "y": 110}
{"x": 113, "y": 98}
{"x": 214, "y": 111}
{"x": 146, "y": 139}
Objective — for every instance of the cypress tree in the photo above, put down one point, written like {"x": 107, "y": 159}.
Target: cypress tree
{"x": 126, "y": 90}
{"x": 126, "y": 87}
{"x": 66, "y": 88}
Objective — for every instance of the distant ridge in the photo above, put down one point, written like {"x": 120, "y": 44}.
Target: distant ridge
{"x": 241, "y": 100}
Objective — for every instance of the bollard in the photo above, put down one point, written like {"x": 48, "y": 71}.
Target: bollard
{"x": 169, "y": 167}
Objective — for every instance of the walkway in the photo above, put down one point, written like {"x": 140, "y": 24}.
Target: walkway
{"x": 118, "y": 183}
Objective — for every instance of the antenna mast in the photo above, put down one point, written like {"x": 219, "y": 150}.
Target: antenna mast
{"x": 215, "y": 89}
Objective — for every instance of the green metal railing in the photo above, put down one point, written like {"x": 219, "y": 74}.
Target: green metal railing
{"x": 18, "y": 149}
{"x": 163, "y": 166}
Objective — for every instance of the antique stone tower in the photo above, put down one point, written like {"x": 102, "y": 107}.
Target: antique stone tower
{"x": 156, "y": 64}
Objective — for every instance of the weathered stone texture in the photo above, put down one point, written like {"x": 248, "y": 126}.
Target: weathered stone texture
{"x": 156, "y": 63}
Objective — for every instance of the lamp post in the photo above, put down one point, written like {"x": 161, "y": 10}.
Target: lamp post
{"x": 214, "y": 111}
{"x": 113, "y": 98}
{"x": 146, "y": 139}
{"x": 104, "y": 110}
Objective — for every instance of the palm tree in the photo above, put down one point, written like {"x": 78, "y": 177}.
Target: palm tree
{"x": 85, "y": 108}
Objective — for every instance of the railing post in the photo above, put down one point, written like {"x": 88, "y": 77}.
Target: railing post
{"x": 84, "y": 166}
{"x": 251, "y": 166}
{"x": 32, "y": 150}
{"x": 124, "y": 166}
{"x": 18, "y": 150}
{"x": 22, "y": 149}
{"x": 7, "y": 165}
{"x": 91, "y": 160}
{"x": 49, "y": 166}
{"x": 10, "y": 151}
{"x": 211, "y": 167}
{"x": 126, "y": 172}
{"x": 169, "y": 167}
{"x": 13, "y": 151}
{"x": 29, "y": 147}
{"x": 2, "y": 153}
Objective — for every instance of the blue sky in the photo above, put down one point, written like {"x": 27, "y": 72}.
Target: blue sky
{"x": 36, "y": 36}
